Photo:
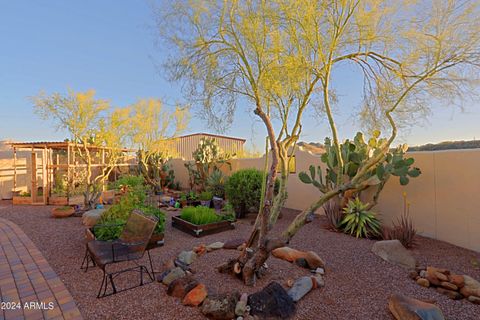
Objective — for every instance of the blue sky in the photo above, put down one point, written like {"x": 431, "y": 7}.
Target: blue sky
{"x": 109, "y": 46}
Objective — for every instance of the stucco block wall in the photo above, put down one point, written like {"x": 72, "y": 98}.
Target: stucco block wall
{"x": 444, "y": 199}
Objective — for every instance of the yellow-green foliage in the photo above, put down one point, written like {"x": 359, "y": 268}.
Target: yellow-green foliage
{"x": 200, "y": 215}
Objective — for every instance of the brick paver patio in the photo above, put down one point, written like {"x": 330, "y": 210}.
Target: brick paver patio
{"x": 29, "y": 288}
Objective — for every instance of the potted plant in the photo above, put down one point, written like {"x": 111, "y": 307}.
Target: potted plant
{"x": 206, "y": 198}
{"x": 192, "y": 199}
{"x": 183, "y": 200}
{"x": 63, "y": 212}
{"x": 200, "y": 221}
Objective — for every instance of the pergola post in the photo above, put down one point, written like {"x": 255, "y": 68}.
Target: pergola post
{"x": 14, "y": 169}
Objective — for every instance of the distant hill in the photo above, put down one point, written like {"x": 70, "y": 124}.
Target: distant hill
{"x": 447, "y": 145}
{"x": 313, "y": 147}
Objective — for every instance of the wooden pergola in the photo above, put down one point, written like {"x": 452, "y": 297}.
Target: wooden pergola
{"x": 56, "y": 157}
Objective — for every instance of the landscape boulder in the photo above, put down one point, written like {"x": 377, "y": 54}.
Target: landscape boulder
{"x": 215, "y": 246}
{"x": 272, "y": 302}
{"x": 241, "y": 306}
{"x": 91, "y": 217}
{"x": 221, "y": 306}
{"x": 196, "y": 296}
{"x": 471, "y": 287}
{"x": 394, "y": 252}
{"x": 292, "y": 255}
{"x": 172, "y": 275}
{"x": 233, "y": 243}
{"x": 187, "y": 257}
{"x": 405, "y": 308}
{"x": 180, "y": 287}
{"x": 300, "y": 288}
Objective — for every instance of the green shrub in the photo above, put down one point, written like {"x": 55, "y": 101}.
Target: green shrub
{"x": 359, "y": 221}
{"x": 216, "y": 184}
{"x": 131, "y": 181}
{"x": 243, "y": 190}
{"x": 109, "y": 232}
{"x": 206, "y": 196}
{"x": 200, "y": 215}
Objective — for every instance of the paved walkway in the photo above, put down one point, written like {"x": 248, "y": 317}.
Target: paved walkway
{"x": 29, "y": 288}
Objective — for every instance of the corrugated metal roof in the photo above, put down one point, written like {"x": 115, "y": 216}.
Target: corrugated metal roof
{"x": 211, "y": 135}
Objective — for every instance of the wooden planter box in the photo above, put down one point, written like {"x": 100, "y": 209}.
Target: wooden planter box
{"x": 21, "y": 200}
{"x": 155, "y": 241}
{"x": 201, "y": 230}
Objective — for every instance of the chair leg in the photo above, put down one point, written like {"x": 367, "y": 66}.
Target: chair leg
{"x": 112, "y": 283}
{"x": 104, "y": 282}
{"x": 152, "y": 276}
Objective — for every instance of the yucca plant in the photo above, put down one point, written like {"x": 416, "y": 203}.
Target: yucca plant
{"x": 359, "y": 221}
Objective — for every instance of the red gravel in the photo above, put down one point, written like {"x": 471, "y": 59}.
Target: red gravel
{"x": 358, "y": 283}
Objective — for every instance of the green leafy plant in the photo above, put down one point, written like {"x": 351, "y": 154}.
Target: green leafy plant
{"x": 244, "y": 190}
{"x": 206, "y": 196}
{"x": 359, "y": 221}
{"x": 25, "y": 194}
{"x": 216, "y": 183}
{"x": 110, "y": 230}
{"x": 133, "y": 199}
{"x": 200, "y": 215}
{"x": 192, "y": 196}
{"x": 132, "y": 181}
{"x": 183, "y": 197}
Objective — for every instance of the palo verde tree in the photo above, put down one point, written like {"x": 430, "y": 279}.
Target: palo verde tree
{"x": 152, "y": 129}
{"x": 97, "y": 132}
{"x": 280, "y": 56}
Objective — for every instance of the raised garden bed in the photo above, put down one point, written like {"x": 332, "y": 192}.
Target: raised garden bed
{"x": 21, "y": 200}
{"x": 201, "y": 230}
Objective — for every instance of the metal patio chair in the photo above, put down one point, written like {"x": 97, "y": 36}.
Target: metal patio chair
{"x": 130, "y": 246}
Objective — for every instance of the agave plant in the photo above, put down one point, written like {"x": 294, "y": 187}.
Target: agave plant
{"x": 359, "y": 221}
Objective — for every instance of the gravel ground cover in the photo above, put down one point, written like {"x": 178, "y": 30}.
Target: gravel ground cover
{"x": 358, "y": 283}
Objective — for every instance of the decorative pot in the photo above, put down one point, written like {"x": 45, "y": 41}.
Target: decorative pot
{"x": 217, "y": 203}
{"x": 205, "y": 203}
{"x": 62, "y": 212}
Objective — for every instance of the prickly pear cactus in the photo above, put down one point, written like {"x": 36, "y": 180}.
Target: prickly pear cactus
{"x": 354, "y": 154}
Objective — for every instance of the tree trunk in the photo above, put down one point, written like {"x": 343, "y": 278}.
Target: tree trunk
{"x": 252, "y": 258}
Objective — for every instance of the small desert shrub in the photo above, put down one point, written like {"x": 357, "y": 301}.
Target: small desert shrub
{"x": 359, "y": 221}
{"x": 200, "y": 215}
{"x": 333, "y": 214}
{"x": 402, "y": 229}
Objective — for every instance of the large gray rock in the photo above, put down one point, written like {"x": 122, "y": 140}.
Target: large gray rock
{"x": 91, "y": 217}
{"x": 405, "y": 308}
{"x": 394, "y": 252}
{"x": 187, "y": 257}
{"x": 300, "y": 288}
{"x": 174, "y": 274}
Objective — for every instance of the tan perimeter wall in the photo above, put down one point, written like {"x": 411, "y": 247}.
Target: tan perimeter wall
{"x": 445, "y": 199}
